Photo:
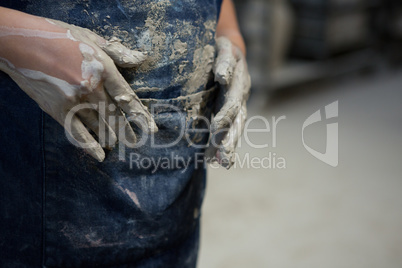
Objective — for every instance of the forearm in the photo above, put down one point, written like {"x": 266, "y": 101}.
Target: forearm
{"x": 228, "y": 25}
{"x": 14, "y": 18}
{"x": 31, "y": 42}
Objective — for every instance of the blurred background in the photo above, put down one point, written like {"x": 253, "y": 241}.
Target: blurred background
{"x": 302, "y": 56}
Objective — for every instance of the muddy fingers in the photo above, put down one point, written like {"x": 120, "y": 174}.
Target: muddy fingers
{"x": 227, "y": 126}
{"x": 65, "y": 68}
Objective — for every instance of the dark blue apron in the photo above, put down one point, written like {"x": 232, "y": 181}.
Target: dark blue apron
{"x": 61, "y": 208}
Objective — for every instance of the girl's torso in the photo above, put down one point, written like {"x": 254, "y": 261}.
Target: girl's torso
{"x": 177, "y": 34}
{"x": 59, "y": 207}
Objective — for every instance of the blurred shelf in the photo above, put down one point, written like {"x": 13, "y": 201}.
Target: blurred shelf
{"x": 300, "y": 72}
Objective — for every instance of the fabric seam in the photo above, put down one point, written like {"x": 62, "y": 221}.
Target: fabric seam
{"x": 43, "y": 185}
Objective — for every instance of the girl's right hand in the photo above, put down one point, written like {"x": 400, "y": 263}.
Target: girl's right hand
{"x": 70, "y": 72}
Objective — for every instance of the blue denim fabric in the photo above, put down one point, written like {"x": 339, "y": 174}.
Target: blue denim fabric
{"x": 61, "y": 208}
{"x": 180, "y": 20}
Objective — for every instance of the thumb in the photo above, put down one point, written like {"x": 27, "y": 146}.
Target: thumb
{"x": 120, "y": 54}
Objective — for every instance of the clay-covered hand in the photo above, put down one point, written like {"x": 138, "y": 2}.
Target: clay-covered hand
{"x": 71, "y": 73}
{"x": 231, "y": 72}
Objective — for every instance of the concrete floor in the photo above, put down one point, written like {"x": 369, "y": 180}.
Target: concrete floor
{"x": 310, "y": 214}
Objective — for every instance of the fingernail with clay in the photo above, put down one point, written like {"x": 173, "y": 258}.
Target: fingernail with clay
{"x": 123, "y": 56}
{"x": 110, "y": 139}
{"x": 138, "y": 57}
{"x": 217, "y": 124}
{"x": 97, "y": 153}
{"x": 223, "y": 74}
{"x": 226, "y": 159}
{"x": 152, "y": 127}
{"x": 131, "y": 138}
